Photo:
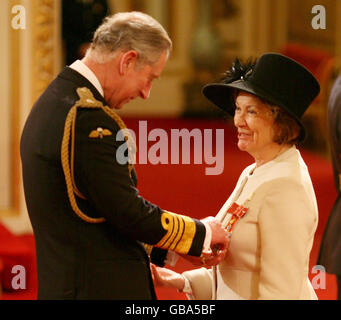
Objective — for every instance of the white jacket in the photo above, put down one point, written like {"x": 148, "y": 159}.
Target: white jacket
{"x": 268, "y": 256}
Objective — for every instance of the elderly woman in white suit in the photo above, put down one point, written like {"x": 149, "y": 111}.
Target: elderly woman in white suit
{"x": 272, "y": 213}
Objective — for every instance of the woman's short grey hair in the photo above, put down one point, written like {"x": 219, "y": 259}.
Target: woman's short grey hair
{"x": 129, "y": 31}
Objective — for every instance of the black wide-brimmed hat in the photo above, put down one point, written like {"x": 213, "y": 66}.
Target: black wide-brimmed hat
{"x": 275, "y": 78}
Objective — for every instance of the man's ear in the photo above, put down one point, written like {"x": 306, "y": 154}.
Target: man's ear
{"x": 128, "y": 61}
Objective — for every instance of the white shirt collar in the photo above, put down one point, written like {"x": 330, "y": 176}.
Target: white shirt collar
{"x": 85, "y": 71}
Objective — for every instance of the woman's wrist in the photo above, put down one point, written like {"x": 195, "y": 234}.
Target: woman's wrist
{"x": 179, "y": 283}
{"x": 186, "y": 287}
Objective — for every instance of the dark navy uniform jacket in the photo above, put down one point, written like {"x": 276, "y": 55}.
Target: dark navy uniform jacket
{"x": 77, "y": 259}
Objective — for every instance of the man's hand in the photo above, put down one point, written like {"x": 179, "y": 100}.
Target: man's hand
{"x": 219, "y": 242}
{"x": 218, "y": 245}
{"x": 219, "y": 236}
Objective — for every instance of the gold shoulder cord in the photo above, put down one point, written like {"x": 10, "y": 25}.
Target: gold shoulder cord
{"x": 87, "y": 101}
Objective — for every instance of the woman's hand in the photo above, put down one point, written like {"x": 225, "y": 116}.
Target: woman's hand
{"x": 164, "y": 277}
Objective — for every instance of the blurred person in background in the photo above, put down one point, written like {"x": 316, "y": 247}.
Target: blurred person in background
{"x": 80, "y": 19}
{"x": 330, "y": 250}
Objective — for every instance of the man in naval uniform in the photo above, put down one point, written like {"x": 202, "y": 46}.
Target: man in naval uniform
{"x": 95, "y": 235}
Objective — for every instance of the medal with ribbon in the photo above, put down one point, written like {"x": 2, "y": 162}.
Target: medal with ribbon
{"x": 237, "y": 212}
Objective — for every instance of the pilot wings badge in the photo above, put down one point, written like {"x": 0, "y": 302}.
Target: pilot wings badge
{"x": 100, "y": 133}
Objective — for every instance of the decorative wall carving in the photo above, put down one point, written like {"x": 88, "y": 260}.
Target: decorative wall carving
{"x": 33, "y": 53}
{"x": 43, "y": 45}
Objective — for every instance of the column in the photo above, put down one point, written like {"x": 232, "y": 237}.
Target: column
{"x": 35, "y": 60}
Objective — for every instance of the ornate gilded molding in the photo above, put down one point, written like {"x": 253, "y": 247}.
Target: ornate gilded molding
{"x": 43, "y": 45}
{"x": 15, "y": 94}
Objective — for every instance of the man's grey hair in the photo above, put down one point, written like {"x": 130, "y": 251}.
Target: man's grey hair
{"x": 130, "y": 31}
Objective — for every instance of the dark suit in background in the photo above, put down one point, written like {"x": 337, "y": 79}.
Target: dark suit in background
{"x": 330, "y": 251}
{"x": 76, "y": 259}
{"x": 80, "y": 18}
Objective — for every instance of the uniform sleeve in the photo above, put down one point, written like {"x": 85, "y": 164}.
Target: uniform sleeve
{"x": 110, "y": 190}
{"x": 287, "y": 224}
{"x": 158, "y": 256}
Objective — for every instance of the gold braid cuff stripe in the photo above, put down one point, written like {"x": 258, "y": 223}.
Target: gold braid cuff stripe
{"x": 86, "y": 100}
{"x": 180, "y": 232}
